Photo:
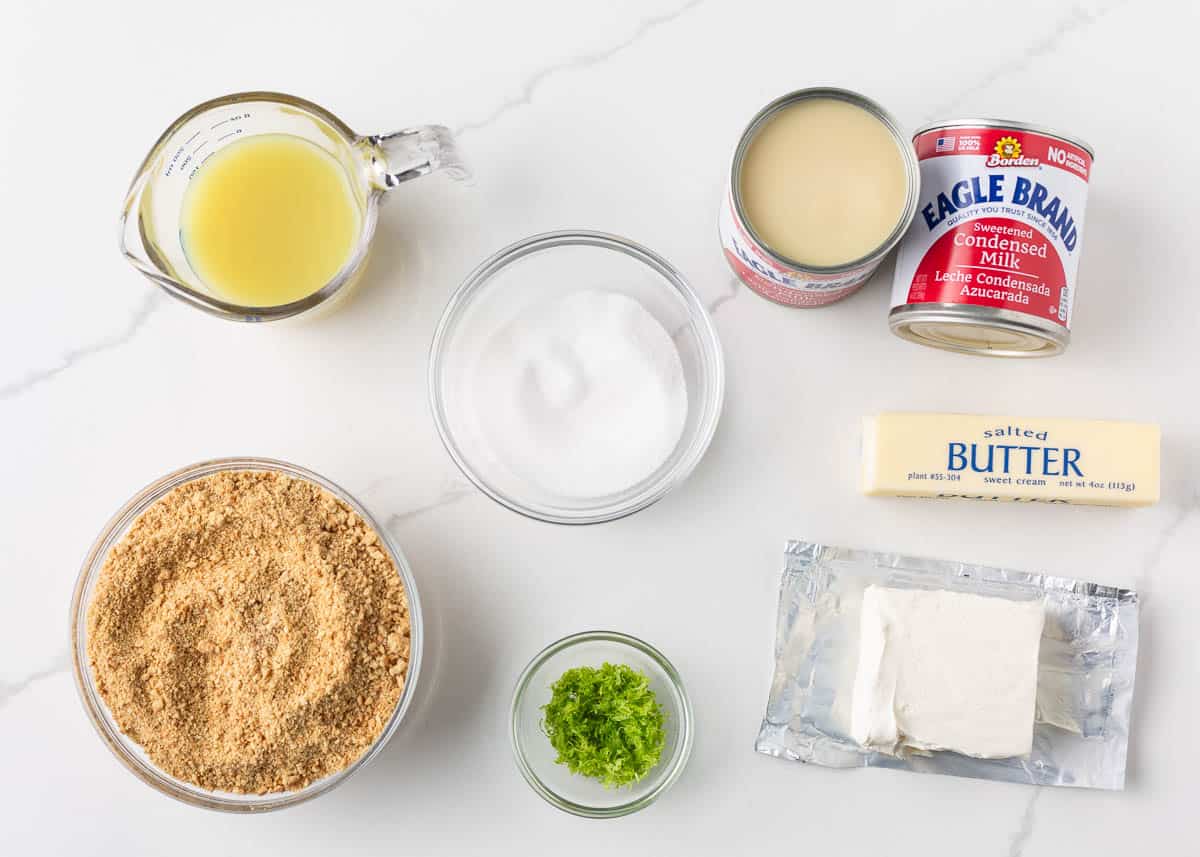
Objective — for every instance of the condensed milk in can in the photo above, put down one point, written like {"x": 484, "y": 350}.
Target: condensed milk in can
{"x": 989, "y": 263}
{"x": 822, "y": 186}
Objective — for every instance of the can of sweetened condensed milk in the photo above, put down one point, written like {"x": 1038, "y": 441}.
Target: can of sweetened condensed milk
{"x": 823, "y": 184}
{"x": 989, "y": 263}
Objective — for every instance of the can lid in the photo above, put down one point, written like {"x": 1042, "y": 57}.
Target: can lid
{"x": 1000, "y": 334}
{"x": 1002, "y": 124}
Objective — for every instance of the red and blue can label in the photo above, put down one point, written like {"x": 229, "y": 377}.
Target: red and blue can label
{"x": 999, "y": 222}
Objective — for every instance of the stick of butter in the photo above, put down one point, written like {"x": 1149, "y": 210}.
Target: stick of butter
{"x": 1005, "y": 458}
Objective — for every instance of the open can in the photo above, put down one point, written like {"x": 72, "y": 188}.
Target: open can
{"x": 788, "y": 281}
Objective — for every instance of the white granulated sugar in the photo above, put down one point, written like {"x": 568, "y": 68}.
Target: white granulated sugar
{"x": 945, "y": 670}
{"x": 584, "y": 396}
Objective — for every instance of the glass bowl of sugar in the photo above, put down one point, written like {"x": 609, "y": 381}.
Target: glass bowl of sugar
{"x": 575, "y": 377}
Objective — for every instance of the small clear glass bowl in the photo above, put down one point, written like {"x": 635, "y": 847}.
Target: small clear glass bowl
{"x": 129, "y": 753}
{"x": 534, "y": 271}
{"x": 535, "y": 756}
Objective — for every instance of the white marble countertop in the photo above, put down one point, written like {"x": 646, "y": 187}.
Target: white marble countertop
{"x": 614, "y": 116}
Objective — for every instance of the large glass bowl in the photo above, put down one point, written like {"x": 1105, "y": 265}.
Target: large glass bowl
{"x": 535, "y": 756}
{"x": 534, "y": 271}
{"x": 133, "y": 756}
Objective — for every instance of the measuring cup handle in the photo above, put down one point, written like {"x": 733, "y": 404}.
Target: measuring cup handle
{"x": 416, "y": 152}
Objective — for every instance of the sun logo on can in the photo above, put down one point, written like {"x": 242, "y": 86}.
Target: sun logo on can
{"x": 1008, "y": 148}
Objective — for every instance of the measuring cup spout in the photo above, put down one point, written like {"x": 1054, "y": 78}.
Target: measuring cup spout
{"x": 131, "y": 233}
{"x": 415, "y": 152}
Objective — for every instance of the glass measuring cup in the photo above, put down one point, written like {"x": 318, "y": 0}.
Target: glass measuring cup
{"x": 150, "y": 218}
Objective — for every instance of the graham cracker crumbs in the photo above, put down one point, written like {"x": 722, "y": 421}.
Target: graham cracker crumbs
{"x": 250, "y": 633}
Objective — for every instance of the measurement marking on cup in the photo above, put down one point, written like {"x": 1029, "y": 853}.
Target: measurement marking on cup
{"x": 230, "y": 134}
{"x": 196, "y": 169}
{"x": 237, "y": 117}
{"x": 193, "y": 137}
{"x": 174, "y": 160}
{"x": 192, "y": 155}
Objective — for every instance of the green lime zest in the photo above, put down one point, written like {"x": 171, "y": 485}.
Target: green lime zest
{"x": 605, "y": 723}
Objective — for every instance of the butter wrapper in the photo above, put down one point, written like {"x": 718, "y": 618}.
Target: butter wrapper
{"x": 1085, "y": 671}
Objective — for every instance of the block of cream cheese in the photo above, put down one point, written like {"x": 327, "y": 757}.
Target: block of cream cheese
{"x": 1011, "y": 458}
{"x": 941, "y": 670}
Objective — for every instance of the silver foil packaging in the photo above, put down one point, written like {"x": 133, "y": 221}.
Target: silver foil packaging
{"x": 1086, "y": 662}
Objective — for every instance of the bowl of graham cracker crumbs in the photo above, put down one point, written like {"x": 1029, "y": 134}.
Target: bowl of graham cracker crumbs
{"x": 244, "y": 635}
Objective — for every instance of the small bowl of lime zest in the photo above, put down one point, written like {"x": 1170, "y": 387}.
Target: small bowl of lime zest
{"x": 618, "y": 770}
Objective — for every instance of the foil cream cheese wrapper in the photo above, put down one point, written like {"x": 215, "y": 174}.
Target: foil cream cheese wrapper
{"x": 1086, "y": 664}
